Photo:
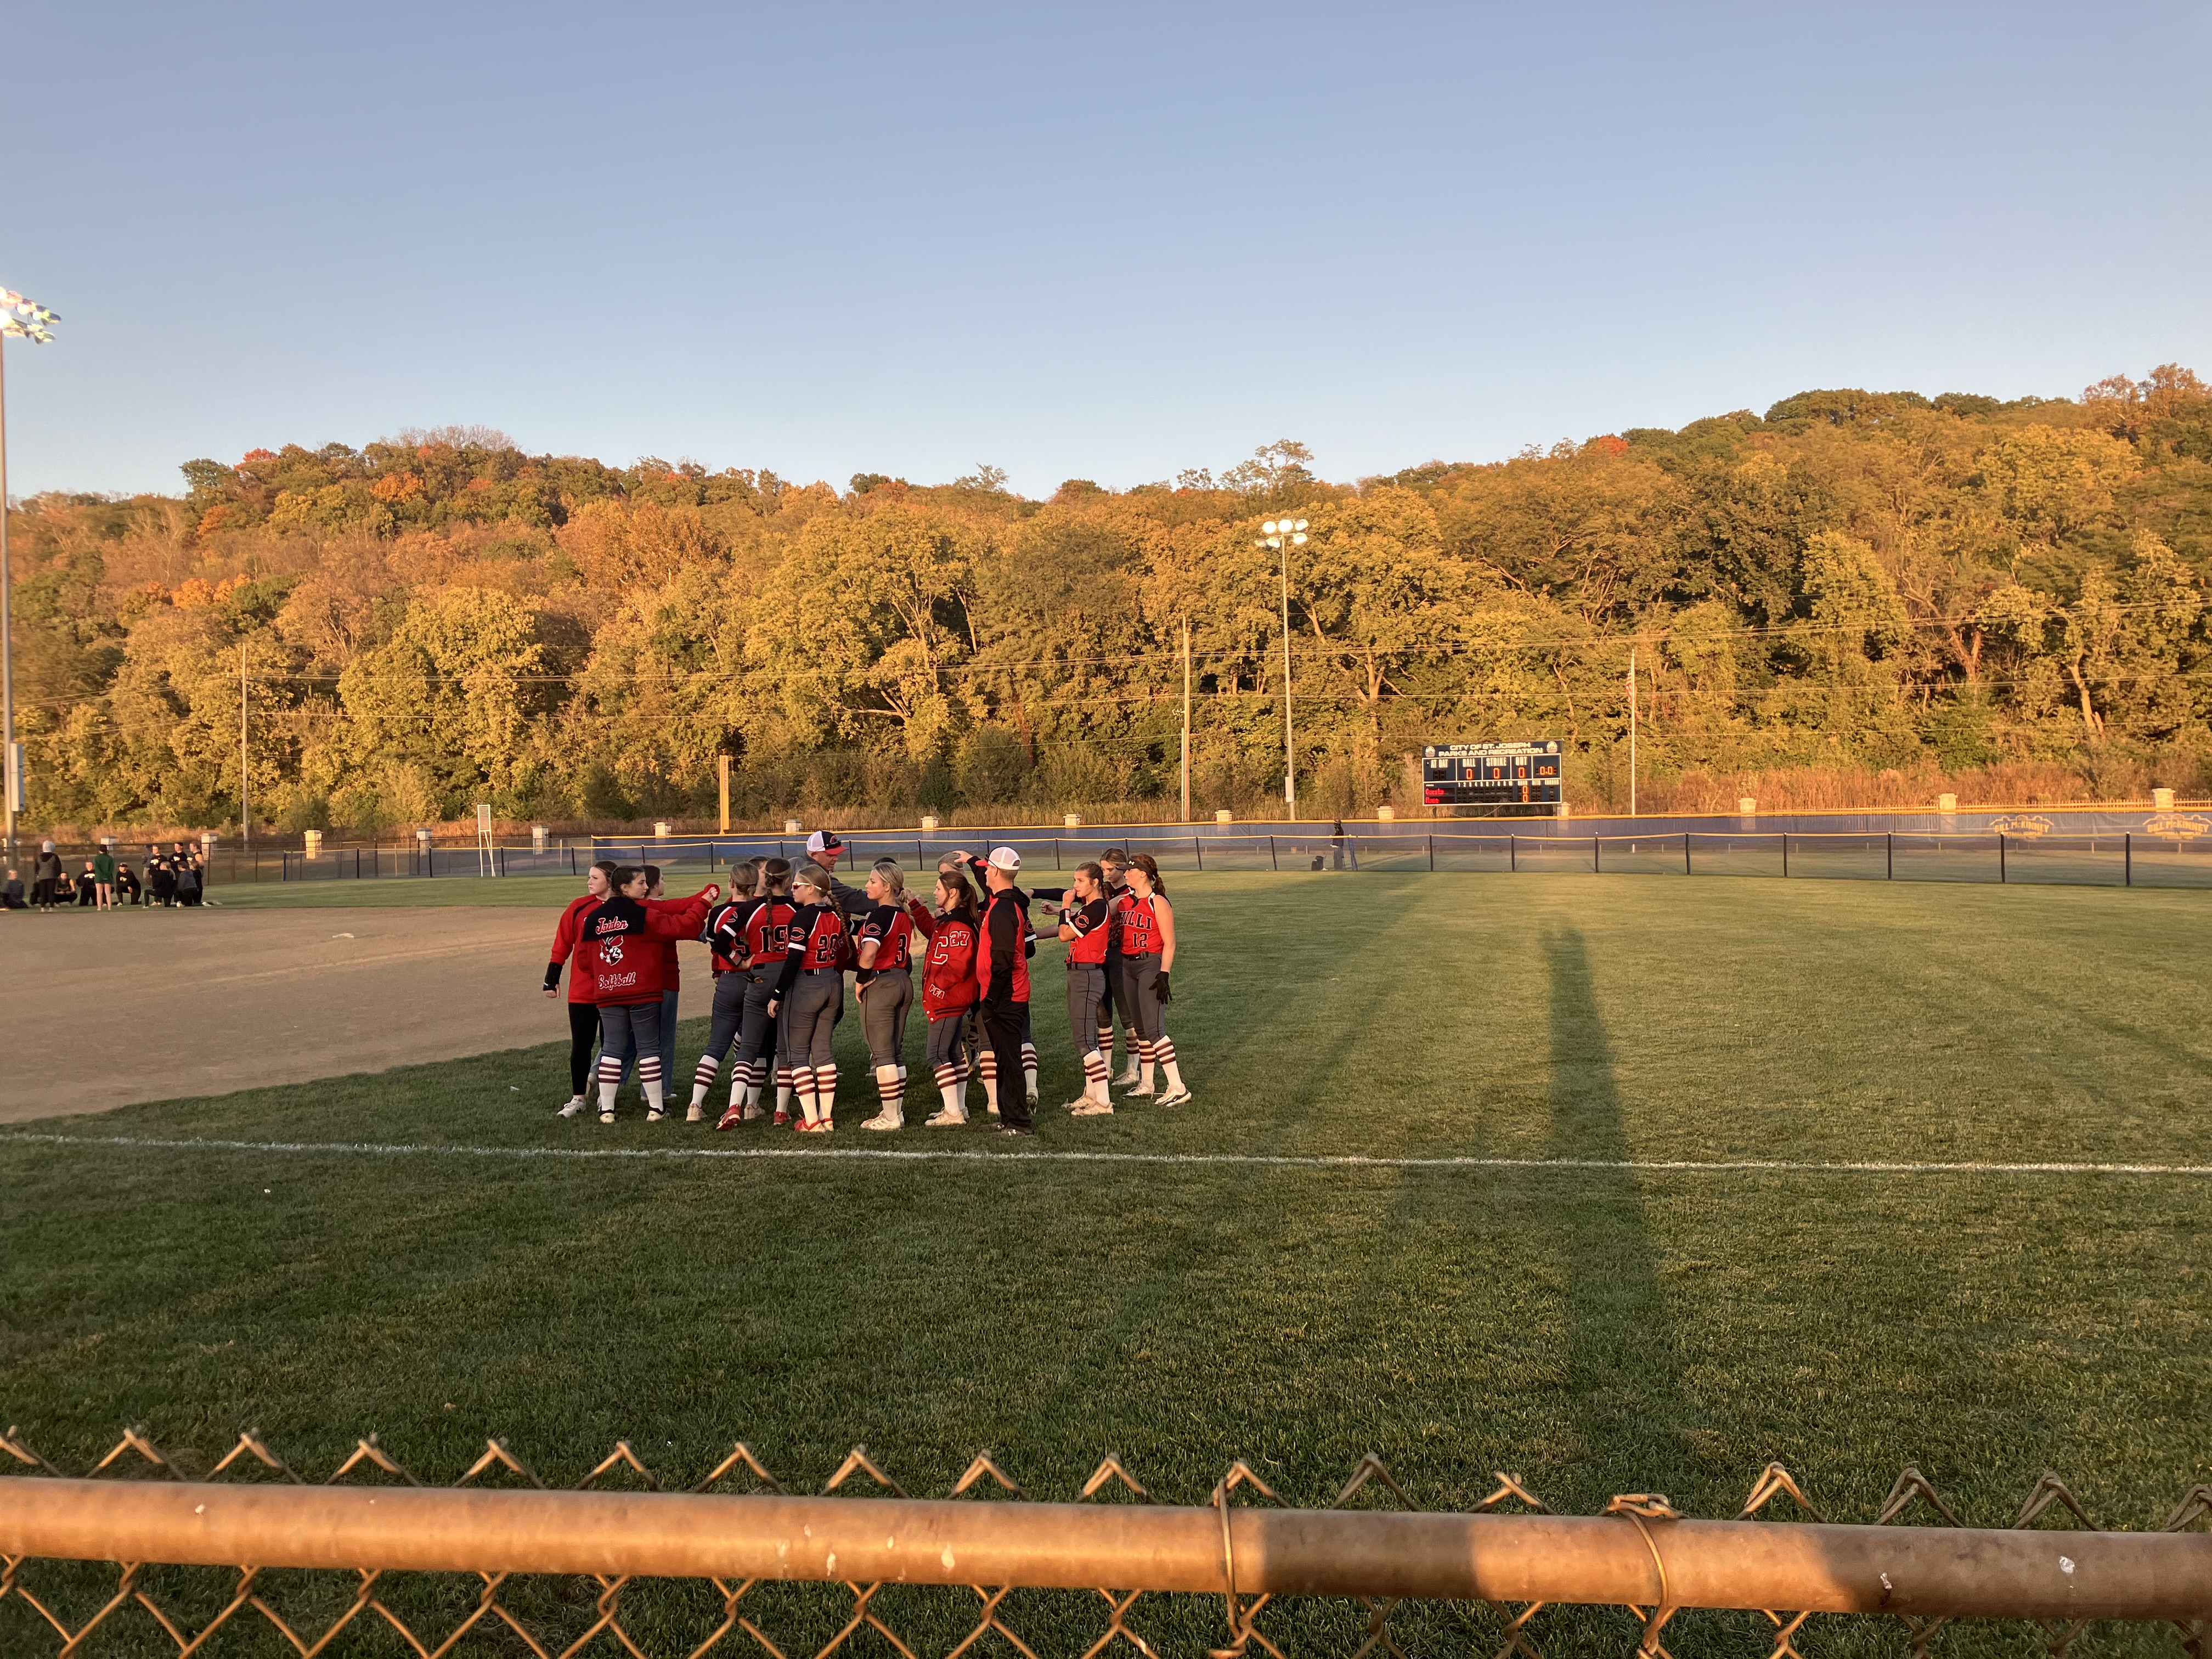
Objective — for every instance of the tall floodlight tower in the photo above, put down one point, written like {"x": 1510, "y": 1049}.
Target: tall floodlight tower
{"x": 1282, "y": 535}
{"x": 21, "y": 320}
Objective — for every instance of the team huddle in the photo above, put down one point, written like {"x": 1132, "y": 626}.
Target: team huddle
{"x": 781, "y": 945}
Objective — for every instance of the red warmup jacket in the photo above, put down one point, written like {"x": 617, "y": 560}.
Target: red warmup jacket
{"x": 948, "y": 979}
{"x": 620, "y": 946}
{"x": 564, "y": 946}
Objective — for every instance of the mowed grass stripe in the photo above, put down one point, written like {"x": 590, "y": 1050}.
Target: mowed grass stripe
{"x": 1000, "y": 1159}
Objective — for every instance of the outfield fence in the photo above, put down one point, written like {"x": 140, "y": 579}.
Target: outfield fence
{"x": 2115, "y": 859}
{"x": 177, "y": 1566}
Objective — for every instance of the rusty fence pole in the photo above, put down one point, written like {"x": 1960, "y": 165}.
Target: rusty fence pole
{"x": 1922, "y": 1572}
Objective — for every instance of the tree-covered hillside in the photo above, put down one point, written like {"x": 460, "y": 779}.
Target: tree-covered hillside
{"x": 1830, "y": 604}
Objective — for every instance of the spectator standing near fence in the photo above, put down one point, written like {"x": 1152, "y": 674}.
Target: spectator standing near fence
{"x": 46, "y": 878}
{"x": 103, "y": 878}
{"x": 583, "y": 1012}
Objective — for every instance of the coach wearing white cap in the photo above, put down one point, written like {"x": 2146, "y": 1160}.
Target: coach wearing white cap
{"x": 1002, "y": 970}
{"x": 822, "y": 849}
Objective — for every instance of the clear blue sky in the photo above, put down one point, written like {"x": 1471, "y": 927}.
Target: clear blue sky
{"x": 1102, "y": 241}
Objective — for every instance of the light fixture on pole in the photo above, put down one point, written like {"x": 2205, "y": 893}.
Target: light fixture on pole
{"x": 1283, "y": 535}
{"x": 21, "y": 319}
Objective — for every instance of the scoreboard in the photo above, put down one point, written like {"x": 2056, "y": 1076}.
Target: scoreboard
{"x": 1491, "y": 773}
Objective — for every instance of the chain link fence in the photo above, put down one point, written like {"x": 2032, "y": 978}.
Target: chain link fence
{"x": 617, "y": 1564}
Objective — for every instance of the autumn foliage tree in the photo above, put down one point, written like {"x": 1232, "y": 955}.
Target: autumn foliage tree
{"x": 1855, "y": 584}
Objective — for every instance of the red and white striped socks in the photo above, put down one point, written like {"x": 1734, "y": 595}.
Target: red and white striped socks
{"x": 703, "y": 1079}
{"x": 1164, "y": 1051}
{"x": 1095, "y": 1074}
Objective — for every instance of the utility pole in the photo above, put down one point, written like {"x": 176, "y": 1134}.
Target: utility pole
{"x": 245, "y": 794}
{"x": 1284, "y": 534}
{"x": 724, "y": 770}
{"x": 13, "y": 786}
{"x": 21, "y": 319}
{"x": 1632, "y": 730}
{"x": 1186, "y": 719}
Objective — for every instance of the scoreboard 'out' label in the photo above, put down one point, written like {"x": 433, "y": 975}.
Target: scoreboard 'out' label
{"x": 1491, "y": 773}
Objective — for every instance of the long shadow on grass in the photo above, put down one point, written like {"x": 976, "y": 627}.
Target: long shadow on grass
{"x": 1624, "y": 1372}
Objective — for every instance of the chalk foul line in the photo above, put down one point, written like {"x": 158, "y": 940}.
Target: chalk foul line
{"x": 1233, "y": 1160}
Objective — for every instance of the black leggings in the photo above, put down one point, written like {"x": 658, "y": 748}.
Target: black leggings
{"x": 583, "y": 1032}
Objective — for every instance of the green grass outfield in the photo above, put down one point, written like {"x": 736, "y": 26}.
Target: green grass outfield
{"x": 1598, "y": 1327}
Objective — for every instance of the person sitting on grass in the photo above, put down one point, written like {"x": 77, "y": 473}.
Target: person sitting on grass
{"x": 88, "y": 887}
{"x": 11, "y": 893}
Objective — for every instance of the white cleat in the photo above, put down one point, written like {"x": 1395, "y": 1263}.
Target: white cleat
{"x": 1088, "y": 1108}
{"x": 1127, "y": 1076}
{"x": 886, "y": 1120}
{"x": 753, "y": 1113}
{"x": 697, "y": 1113}
{"x": 573, "y": 1108}
{"x": 606, "y": 1117}
{"x": 1142, "y": 1091}
{"x": 1176, "y": 1097}
{"x": 949, "y": 1117}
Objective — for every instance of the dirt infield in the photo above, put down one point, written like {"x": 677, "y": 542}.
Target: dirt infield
{"x": 165, "y": 1004}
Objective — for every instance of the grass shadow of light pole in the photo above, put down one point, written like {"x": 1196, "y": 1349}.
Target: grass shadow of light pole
{"x": 1622, "y": 1363}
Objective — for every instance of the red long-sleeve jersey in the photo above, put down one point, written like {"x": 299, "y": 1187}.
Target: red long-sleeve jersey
{"x": 564, "y": 946}
{"x": 948, "y": 979}
{"x": 620, "y": 946}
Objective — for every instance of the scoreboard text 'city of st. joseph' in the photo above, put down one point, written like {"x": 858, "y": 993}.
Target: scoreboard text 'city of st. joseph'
{"x": 1490, "y": 773}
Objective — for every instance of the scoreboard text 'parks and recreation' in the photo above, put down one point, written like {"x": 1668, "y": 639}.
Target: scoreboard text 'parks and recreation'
{"x": 1490, "y": 773}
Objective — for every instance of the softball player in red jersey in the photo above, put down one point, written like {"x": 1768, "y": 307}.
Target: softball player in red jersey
{"x": 885, "y": 986}
{"x": 619, "y": 946}
{"x": 583, "y": 1013}
{"x": 948, "y": 990}
{"x": 1083, "y": 924}
{"x": 807, "y": 995}
{"x": 1148, "y": 945}
{"x": 767, "y": 934}
{"x": 726, "y": 953}
{"x": 1115, "y": 863}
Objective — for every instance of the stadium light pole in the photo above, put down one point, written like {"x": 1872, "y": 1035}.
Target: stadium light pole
{"x": 1282, "y": 535}
{"x": 20, "y": 320}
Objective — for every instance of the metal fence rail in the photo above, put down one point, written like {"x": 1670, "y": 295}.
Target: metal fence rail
{"x": 1257, "y": 1562}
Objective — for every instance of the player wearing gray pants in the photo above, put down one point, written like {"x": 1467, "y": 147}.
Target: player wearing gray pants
{"x": 809, "y": 992}
{"x": 883, "y": 1005}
